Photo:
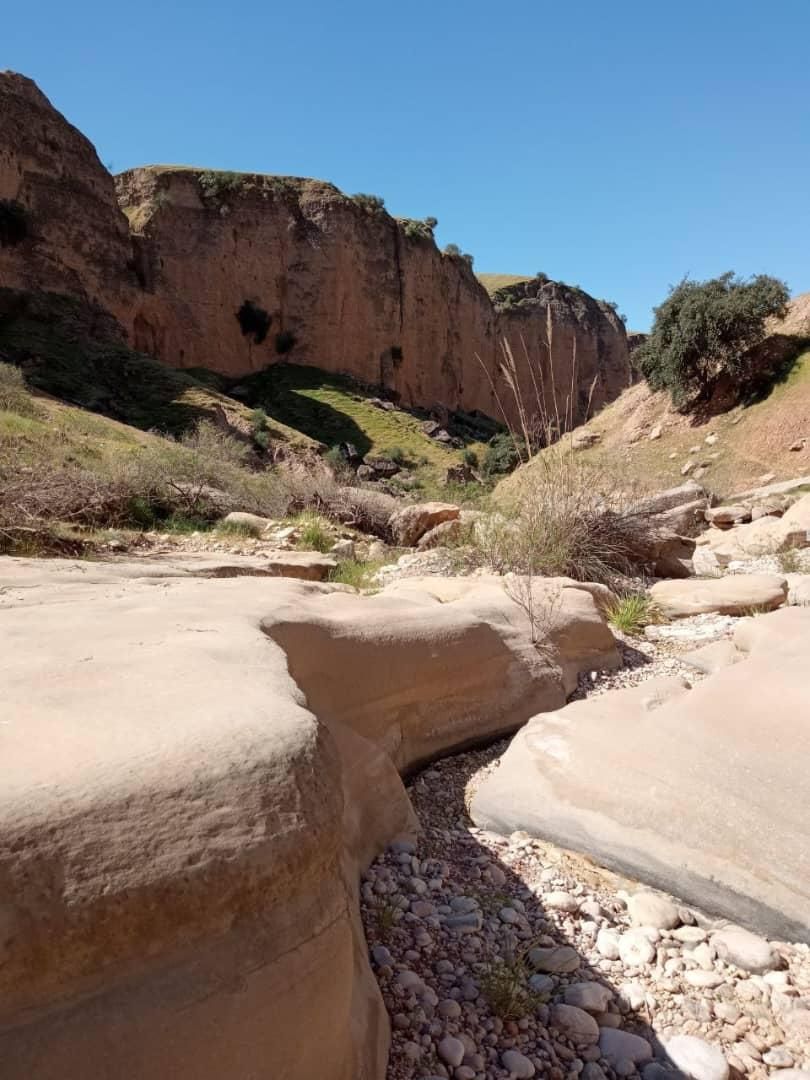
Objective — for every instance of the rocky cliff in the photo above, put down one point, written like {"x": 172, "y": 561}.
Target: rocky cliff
{"x": 318, "y": 277}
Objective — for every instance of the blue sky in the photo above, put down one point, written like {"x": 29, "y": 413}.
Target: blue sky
{"x": 617, "y": 146}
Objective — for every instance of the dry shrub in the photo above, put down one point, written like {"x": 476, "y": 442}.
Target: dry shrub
{"x": 311, "y": 485}
{"x": 14, "y": 395}
{"x": 571, "y": 520}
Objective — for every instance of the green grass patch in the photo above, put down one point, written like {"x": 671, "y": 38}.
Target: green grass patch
{"x": 314, "y": 533}
{"x": 356, "y": 572}
{"x": 631, "y": 613}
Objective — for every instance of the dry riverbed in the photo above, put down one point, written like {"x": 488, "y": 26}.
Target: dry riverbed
{"x": 506, "y": 957}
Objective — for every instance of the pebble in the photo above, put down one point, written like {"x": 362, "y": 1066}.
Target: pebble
{"x": 590, "y": 996}
{"x": 560, "y": 959}
{"x": 697, "y": 1058}
{"x": 451, "y": 1051}
{"x": 744, "y": 950}
{"x": 652, "y": 909}
{"x": 576, "y": 1024}
{"x": 636, "y": 949}
{"x": 617, "y": 1046}
{"x": 518, "y": 1065}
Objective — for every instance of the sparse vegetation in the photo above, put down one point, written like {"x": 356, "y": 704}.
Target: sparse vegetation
{"x": 705, "y": 331}
{"x": 254, "y": 321}
{"x": 14, "y": 395}
{"x": 469, "y": 457}
{"x": 217, "y": 186}
{"x": 372, "y": 204}
{"x": 14, "y": 223}
{"x": 568, "y": 519}
{"x": 244, "y": 530}
{"x": 631, "y": 612}
{"x": 356, "y": 572}
{"x": 502, "y": 455}
{"x": 505, "y": 982}
{"x": 418, "y": 230}
{"x": 790, "y": 561}
{"x": 314, "y": 533}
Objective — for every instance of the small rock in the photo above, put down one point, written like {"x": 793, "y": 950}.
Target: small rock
{"x": 593, "y": 997}
{"x": 697, "y": 1058}
{"x": 617, "y": 1046}
{"x": 652, "y": 909}
{"x": 575, "y": 1024}
{"x": 607, "y": 944}
{"x": 541, "y": 984}
{"x": 636, "y": 949}
{"x": 560, "y": 901}
{"x": 745, "y": 950}
{"x": 451, "y": 1051}
{"x": 518, "y": 1065}
{"x": 778, "y": 1058}
{"x": 558, "y": 959}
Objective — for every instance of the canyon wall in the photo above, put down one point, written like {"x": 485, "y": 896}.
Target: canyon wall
{"x": 175, "y": 253}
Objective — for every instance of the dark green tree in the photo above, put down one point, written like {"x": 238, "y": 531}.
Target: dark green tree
{"x": 704, "y": 332}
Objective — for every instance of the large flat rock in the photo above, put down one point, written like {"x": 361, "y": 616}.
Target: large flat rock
{"x": 736, "y": 594}
{"x": 701, "y": 792}
{"x": 193, "y": 772}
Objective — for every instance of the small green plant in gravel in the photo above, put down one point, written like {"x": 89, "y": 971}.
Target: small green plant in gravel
{"x": 314, "y": 533}
{"x": 505, "y": 983}
{"x": 241, "y": 529}
{"x": 790, "y": 561}
{"x": 386, "y": 915}
{"x": 631, "y": 613}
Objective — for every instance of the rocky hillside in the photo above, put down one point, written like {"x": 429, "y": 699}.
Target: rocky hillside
{"x": 643, "y": 439}
{"x": 231, "y": 271}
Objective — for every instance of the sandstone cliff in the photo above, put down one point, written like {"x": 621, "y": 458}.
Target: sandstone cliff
{"x": 345, "y": 286}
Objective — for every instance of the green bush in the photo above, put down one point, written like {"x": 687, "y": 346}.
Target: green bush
{"x": 704, "y": 331}
{"x": 501, "y": 455}
{"x": 418, "y": 230}
{"x": 254, "y": 321}
{"x": 314, "y": 533}
{"x": 14, "y": 395}
{"x": 631, "y": 612}
{"x": 469, "y": 457}
{"x": 372, "y": 204}
{"x": 216, "y": 186}
{"x": 14, "y": 223}
{"x": 396, "y": 454}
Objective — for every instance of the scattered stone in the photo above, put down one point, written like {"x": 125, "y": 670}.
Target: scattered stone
{"x": 575, "y": 1024}
{"x": 697, "y": 1058}
{"x": 636, "y": 949}
{"x": 745, "y": 950}
{"x": 617, "y": 1046}
{"x": 593, "y": 997}
{"x": 517, "y": 1065}
{"x": 653, "y": 909}
{"x": 451, "y": 1051}
{"x": 561, "y": 901}
{"x": 557, "y": 960}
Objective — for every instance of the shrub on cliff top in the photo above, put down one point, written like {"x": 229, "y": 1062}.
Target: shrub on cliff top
{"x": 372, "y": 204}
{"x": 216, "y": 186}
{"x": 704, "y": 331}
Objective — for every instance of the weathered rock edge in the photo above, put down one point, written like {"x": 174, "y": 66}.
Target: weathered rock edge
{"x": 701, "y": 792}
{"x": 181, "y": 835}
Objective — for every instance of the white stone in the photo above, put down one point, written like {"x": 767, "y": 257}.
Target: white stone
{"x": 697, "y": 1058}
{"x": 560, "y": 901}
{"x": 607, "y": 944}
{"x": 652, "y": 909}
{"x": 636, "y": 949}
{"x": 745, "y": 950}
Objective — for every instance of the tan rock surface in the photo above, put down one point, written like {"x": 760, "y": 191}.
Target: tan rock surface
{"x": 182, "y": 824}
{"x": 699, "y": 792}
{"x": 735, "y": 594}
{"x": 409, "y": 524}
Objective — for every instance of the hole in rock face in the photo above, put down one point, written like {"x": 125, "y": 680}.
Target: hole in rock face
{"x": 14, "y": 223}
{"x": 254, "y": 321}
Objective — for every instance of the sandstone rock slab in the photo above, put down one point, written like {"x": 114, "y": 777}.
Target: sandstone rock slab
{"x": 684, "y": 789}
{"x": 408, "y": 524}
{"x": 737, "y": 594}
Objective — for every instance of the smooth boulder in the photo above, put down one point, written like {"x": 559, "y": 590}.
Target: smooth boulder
{"x": 736, "y": 594}
{"x": 683, "y": 789}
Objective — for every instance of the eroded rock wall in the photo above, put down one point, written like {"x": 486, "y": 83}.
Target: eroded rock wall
{"x": 181, "y": 250}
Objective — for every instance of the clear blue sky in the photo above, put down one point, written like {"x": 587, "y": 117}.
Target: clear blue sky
{"x": 617, "y": 146}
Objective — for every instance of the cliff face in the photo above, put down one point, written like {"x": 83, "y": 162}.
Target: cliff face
{"x": 74, "y": 238}
{"x": 345, "y": 286}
